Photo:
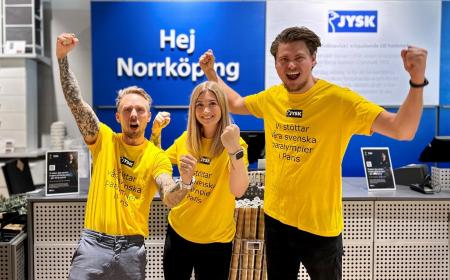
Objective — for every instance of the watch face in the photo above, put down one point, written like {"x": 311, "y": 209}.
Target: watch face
{"x": 240, "y": 154}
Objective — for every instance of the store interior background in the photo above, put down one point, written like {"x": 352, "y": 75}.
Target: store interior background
{"x": 75, "y": 16}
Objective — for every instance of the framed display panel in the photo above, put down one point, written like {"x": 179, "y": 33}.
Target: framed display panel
{"x": 378, "y": 168}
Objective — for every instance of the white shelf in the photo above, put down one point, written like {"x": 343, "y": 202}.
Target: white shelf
{"x": 25, "y": 23}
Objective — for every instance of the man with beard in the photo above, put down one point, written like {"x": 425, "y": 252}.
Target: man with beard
{"x": 127, "y": 171}
{"x": 308, "y": 124}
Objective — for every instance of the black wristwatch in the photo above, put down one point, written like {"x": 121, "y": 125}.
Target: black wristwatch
{"x": 238, "y": 155}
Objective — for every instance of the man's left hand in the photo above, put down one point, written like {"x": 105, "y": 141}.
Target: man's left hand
{"x": 414, "y": 61}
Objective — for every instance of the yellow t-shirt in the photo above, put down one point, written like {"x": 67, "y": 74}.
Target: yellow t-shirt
{"x": 206, "y": 213}
{"x": 306, "y": 138}
{"x": 122, "y": 184}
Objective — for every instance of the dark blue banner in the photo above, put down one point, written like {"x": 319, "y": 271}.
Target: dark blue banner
{"x": 156, "y": 45}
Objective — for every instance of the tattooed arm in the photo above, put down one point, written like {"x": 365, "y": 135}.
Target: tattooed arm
{"x": 171, "y": 193}
{"x": 85, "y": 117}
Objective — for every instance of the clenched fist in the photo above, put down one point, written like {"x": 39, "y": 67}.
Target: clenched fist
{"x": 65, "y": 43}
{"x": 415, "y": 61}
{"x": 206, "y": 62}
{"x": 161, "y": 120}
{"x": 230, "y": 138}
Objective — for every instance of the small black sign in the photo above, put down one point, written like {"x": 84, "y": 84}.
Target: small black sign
{"x": 294, "y": 113}
{"x": 62, "y": 173}
{"x": 127, "y": 162}
{"x": 378, "y": 168}
{"x": 205, "y": 160}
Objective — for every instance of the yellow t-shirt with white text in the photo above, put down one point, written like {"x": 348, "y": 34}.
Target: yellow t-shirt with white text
{"x": 122, "y": 184}
{"x": 306, "y": 138}
{"x": 206, "y": 213}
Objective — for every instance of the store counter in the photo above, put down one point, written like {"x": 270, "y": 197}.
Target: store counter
{"x": 399, "y": 234}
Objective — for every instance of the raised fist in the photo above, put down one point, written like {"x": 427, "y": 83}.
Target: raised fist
{"x": 161, "y": 120}
{"x": 415, "y": 61}
{"x": 230, "y": 138}
{"x": 65, "y": 43}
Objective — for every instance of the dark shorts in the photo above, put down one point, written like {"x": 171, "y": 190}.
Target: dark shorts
{"x": 102, "y": 256}
{"x": 287, "y": 246}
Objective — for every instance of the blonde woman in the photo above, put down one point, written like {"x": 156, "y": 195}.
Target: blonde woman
{"x": 212, "y": 159}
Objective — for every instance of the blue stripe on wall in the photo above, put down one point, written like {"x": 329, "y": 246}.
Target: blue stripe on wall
{"x": 402, "y": 152}
{"x": 445, "y": 55}
{"x": 444, "y": 121}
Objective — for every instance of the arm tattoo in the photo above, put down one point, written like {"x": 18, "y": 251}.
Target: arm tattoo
{"x": 170, "y": 192}
{"x": 163, "y": 181}
{"x": 85, "y": 117}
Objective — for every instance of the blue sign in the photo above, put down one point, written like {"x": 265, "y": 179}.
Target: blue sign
{"x": 156, "y": 46}
{"x": 352, "y": 21}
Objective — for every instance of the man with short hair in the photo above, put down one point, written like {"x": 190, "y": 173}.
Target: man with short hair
{"x": 127, "y": 171}
{"x": 308, "y": 124}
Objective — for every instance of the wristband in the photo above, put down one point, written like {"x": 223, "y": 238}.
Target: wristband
{"x": 413, "y": 85}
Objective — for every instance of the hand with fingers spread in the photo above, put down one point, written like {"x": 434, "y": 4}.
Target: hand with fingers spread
{"x": 206, "y": 62}
{"x": 187, "y": 168}
{"x": 161, "y": 120}
{"x": 65, "y": 43}
{"x": 414, "y": 61}
{"x": 230, "y": 138}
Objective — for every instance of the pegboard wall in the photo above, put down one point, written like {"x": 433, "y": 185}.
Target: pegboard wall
{"x": 411, "y": 240}
{"x": 57, "y": 227}
{"x": 12, "y": 258}
{"x": 412, "y": 221}
{"x": 440, "y": 178}
{"x": 382, "y": 239}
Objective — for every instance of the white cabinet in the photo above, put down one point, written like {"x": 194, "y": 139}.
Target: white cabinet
{"x": 18, "y": 102}
{"x": 22, "y": 20}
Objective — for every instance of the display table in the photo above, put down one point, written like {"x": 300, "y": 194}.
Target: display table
{"x": 398, "y": 234}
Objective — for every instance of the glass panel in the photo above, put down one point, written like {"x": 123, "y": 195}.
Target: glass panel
{"x": 9, "y": 2}
{"x": 18, "y": 15}
{"x": 19, "y": 34}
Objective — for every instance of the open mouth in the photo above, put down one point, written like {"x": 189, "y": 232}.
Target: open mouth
{"x": 134, "y": 126}
{"x": 293, "y": 76}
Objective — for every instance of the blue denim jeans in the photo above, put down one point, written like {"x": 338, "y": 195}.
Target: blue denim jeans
{"x": 287, "y": 246}
{"x": 102, "y": 256}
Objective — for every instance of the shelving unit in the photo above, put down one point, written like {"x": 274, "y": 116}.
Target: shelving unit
{"x": 18, "y": 102}
{"x": 22, "y": 20}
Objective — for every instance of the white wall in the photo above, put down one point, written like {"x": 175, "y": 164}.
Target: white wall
{"x": 72, "y": 16}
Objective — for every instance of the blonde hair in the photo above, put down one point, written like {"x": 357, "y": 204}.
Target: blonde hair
{"x": 131, "y": 90}
{"x": 194, "y": 128}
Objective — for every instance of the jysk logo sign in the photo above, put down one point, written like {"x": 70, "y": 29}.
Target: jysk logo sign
{"x": 352, "y": 21}
{"x": 127, "y": 162}
{"x": 294, "y": 113}
{"x": 205, "y": 160}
